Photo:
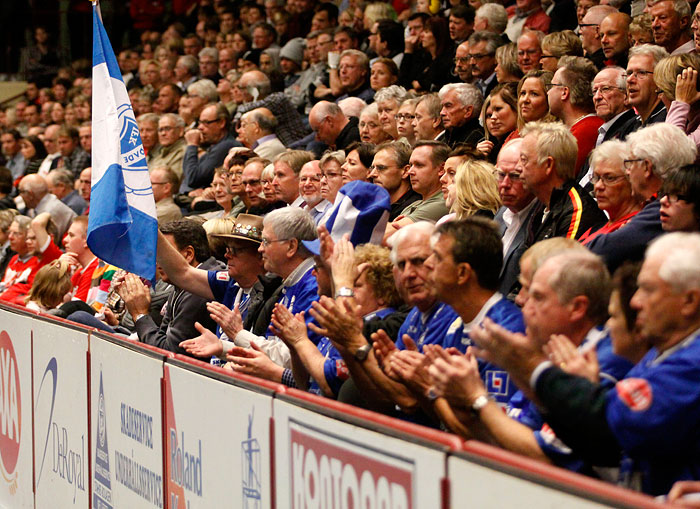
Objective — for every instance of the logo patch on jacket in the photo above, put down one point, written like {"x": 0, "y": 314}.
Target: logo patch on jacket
{"x": 635, "y": 393}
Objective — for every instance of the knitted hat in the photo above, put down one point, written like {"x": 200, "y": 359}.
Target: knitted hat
{"x": 294, "y": 50}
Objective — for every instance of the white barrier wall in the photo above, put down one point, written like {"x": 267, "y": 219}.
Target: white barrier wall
{"x": 325, "y": 463}
{"x": 487, "y": 488}
{"x": 127, "y": 427}
{"x": 61, "y": 442}
{"x": 217, "y": 439}
{"x": 16, "y": 484}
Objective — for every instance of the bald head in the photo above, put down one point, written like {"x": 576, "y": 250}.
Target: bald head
{"x": 310, "y": 183}
{"x": 32, "y": 189}
{"x": 613, "y": 32}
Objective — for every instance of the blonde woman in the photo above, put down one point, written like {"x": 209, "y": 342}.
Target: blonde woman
{"x": 474, "y": 191}
{"x": 51, "y": 287}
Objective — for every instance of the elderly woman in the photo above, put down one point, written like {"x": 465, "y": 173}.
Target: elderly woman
{"x": 680, "y": 200}
{"x": 612, "y": 189}
{"x": 370, "y": 127}
{"x": 388, "y": 101}
{"x": 331, "y": 175}
{"x": 677, "y": 77}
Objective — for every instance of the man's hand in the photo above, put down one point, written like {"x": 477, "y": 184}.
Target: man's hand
{"x": 194, "y": 137}
{"x": 338, "y": 320}
{"x": 563, "y": 353}
{"x": 411, "y": 368}
{"x": 327, "y": 244}
{"x": 685, "y": 494}
{"x": 457, "y": 377}
{"x": 71, "y": 259}
{"x": 136, "y": 295}
{"x": 230, "y": 321}
{"x": 513, "y": 352}
{"x": 205, "y": 345}
{"x": 253, "y": 361}
{"x": 288, "y": 327}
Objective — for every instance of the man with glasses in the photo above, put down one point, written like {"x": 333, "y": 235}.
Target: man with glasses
{"x": 547, "y": 165}
{"x": 482, "y": 57}
{"x": 514, "y": 216}
{"x": 332, "y": 127}
{"x": 353, "y": 73}
{"x": 256, "y": 131}
{"x": 390, "y": 170}
{"x": 642, "y": 92}
{"x": 652, "y": 153}
{"x": 213, "y": 136}
{"x": 462, "y": 61}
{"x": 165, "y": 183}
{"x": 171, "y": 128}
{"x": 529, "y": 51}
{"x": 570, "y": 100}
{"x": 590, "y": 39}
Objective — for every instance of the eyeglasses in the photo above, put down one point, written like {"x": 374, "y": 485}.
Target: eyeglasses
{"x": 159, "y": 183}
{"x": 583, "y": 25}
{"x": 166, "y": 128}
{"x": 267, "y": 242}
{"x": 608, "y": 180}
{"x": 605, "y": 89}
{"x": 639, "y": 74}
{"x": 479, "y": 56}
{"x": 514, "y": 176}
{"x": 209, "y": 122}
{"x": 401, "y": 117}
{"x": 379, "y": 167}
{"x": 252, "y": 183}
{"x": 332, "y": 175}
{"x": 549, "y": 86}
{"x": 629, "y": 162}
{"x": 461, "y": 60}
{"x": 674, "y": 197}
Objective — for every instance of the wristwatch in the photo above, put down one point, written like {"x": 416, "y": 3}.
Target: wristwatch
{"x": 344, "y": 291}
{"x": 362, "y": 352}
{"x": 479, "y": 403}
{"x": 139, "y": 316}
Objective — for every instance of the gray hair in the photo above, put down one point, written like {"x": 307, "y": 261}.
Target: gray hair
{"x": 23, "y": 222}
{"x": 432, "y": 103}
{"x": 209, "y": 52}
{"x": 665, "y": 145}
{"x": 179, "y": 122}
{"x": 681, "y": 7}
{"x": 332, "y": 155}
{"x": 204, "y": 88}
{"x": 395, "y": 92}
{"x": 352, "y": 106}
{"x": 62, "y": 176}
{"x": 292, "y": 223}
{"x": 6, "y": 218}
{"x": 149, "y": 118}
{"x": 493, "y": 40}
{"x": 420, "y": 228}
{"x": 370, "y": 109}
{"x": 267, "y": 124}
{"x": 614, "y": 151}
{"x": 400, "y": 151}
{"x": 361, "y": 59}
{"x": 189, "y": 62}
{"x": 656, "y": 52}
{"x": 467, "y": 94}
{"x": 495, "y": 15}
{"x": 582, "y": 273}
{"x": 556, "y": 141}
{"x": 621, "y": 80}
{"x": 680, "y": 252}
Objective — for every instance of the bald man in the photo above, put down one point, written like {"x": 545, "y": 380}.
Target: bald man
{"x": 35, "y": 192}
{"x": 613, "y": 33}
{"x": 332, "y": 127}
{"x": 256, "y": 131}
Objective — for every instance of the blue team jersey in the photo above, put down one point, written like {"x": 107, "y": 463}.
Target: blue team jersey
{"x": 506, "y": 314}
{"x": 654, "y": 413}
{"x": 427, "y": 329}
{"x": 299, "y": 296}
{"x": 334, "y": 367}
{"x": 612, "y": 367}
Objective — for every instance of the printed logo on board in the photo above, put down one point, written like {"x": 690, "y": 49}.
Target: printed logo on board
{"x": 102, "y": 485}
{"x": 10, "y": 411}
{"x": 332, "y": 473}
{"x": 250, "y": 452}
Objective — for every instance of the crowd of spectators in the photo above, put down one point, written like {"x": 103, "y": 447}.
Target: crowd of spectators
{"x": 473, "y": 216}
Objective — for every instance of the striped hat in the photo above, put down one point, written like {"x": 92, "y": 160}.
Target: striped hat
{"x": 361, "y": 209}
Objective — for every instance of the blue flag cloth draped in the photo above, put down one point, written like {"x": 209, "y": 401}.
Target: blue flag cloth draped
{"x": 122, "y": 228}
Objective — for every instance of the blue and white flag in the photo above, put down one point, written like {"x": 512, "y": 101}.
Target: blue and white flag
{"x": 123, "y": 226}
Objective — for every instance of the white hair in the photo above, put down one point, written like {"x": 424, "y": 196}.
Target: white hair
{"x": 614, "y": 151}
{"x": 495, "y": 15}
{"x": 420, "y": 228}
{"x": 352, "y": 106}
{"x": 467, "y": 94}
{"x": 665, "y": 145}
{"x": 680, "y": 255}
